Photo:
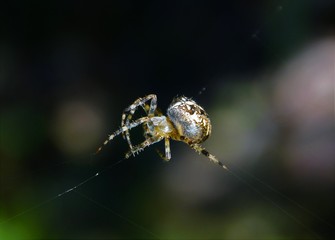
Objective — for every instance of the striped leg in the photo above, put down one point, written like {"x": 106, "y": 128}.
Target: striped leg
{"x": 167, "y": 150}
{"x": 123, "y": 129}
{"x": 199, "y": 149}
{"x": 129, "y": 112}
{"x": 167, "y": 155}
{"x": 136, "y": 149}
{"x": 127, "y": 118}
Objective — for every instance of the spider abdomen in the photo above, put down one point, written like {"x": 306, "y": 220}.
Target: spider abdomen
{"x": 190, "y": 120}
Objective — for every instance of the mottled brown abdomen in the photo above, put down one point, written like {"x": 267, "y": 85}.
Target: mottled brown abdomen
{"x": 190, "y": 120}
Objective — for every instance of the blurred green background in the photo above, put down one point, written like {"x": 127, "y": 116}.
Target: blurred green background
{"x": 263, "y": 70}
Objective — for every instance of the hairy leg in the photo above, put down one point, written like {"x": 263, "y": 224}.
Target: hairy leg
{"x": 167, "y": 155}
{"x": 129, "y": 112}
{"x": 199, "y": 149}
{"x": 147, "y": 142}
{"x": 123, "y": 129}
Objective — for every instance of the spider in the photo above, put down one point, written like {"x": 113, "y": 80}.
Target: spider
{"x": 186, "y": 121}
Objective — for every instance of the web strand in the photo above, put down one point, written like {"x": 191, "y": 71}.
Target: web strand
{"x": 272, "y": 189}
{"x": 37, "y": 206}
{"x": 138, "y": 226}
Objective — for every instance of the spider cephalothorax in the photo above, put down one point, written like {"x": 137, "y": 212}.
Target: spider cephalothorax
{"x": 185, "y": 121}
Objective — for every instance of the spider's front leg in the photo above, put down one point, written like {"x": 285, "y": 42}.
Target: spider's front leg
{"x": 147, "y": 142}
{"x": 129, "y": 112}
{"x": 201, "y": 150}
{"x": 124, "y": 129}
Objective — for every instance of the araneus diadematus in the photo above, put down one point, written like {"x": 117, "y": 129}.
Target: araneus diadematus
{"x": 185, "y": 121}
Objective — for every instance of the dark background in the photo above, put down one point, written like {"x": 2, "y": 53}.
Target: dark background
{"x": 68, "y": 69}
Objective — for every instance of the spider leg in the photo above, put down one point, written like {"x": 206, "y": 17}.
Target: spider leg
{"x": 127, "y": 118}
{"x": 140, "y": 102}
{"x": 199, "y": 149}
{"x": 167, "y": 149}
{"x": 147, "y": 142}
{"x": 123, "y": 129}
{"x": 167, "y": 156}
{"x": 129, "y": 112}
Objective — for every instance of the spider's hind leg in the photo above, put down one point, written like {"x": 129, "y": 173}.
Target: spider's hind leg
{"x": 201, "y": 150}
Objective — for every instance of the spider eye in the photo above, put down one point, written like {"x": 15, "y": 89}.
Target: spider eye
{"x": 190, "y": 120}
